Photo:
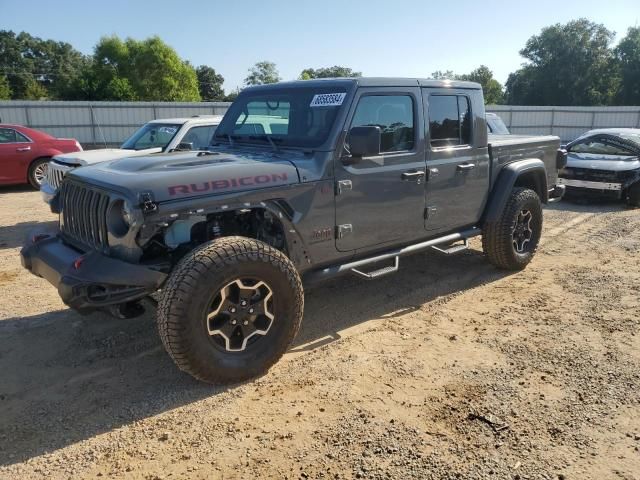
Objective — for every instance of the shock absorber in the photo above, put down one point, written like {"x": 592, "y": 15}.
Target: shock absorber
{"x": 216, "y": 230}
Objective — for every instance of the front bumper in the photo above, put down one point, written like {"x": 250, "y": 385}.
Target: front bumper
{"x": 47, "y": 192}
{"x": 88, "y": 281}
{"x": 590, "y": 185}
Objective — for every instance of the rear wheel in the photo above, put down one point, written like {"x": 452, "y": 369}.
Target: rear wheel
{"x": 512, "y": 240}
{"x": 633, "y": 196}
{"x": 230, "y": 310}
{"x": 38, "y": 172}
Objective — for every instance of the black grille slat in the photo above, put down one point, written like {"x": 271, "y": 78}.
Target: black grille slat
{"x": 84, "y": 213}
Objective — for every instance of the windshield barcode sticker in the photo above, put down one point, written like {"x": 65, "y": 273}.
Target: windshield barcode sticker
{"x": 328, "y": 100}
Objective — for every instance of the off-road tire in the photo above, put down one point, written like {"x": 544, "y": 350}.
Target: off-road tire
{"x": 31, "y": 174}
{"x": 189, "y": 292}
{"x": 497, "y": 237}
{"x": 633, "y": 196}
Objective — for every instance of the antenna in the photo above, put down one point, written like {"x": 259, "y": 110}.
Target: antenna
{"x": 104, "y": 139}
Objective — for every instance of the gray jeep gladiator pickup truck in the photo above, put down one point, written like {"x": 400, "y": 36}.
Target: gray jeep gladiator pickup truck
{"x": 304, "y": 181}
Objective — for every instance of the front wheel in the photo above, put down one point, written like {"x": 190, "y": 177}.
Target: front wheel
{"x": 230, "y": 310}
{"x": 511, "y": 241}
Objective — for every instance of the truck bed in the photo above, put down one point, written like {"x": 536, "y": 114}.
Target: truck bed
{"x": 505, "y": 149}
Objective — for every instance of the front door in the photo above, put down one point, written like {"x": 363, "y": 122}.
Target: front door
{"x": 380, "y": 200}
{"x": 457, "y": 159}
{"x": 15, "y": 154}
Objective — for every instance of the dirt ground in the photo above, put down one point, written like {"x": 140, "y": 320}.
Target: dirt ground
{"x": 447, "y": 369}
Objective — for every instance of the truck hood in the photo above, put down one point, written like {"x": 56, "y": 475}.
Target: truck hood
{"x": 180, "y": 175}
{"x": 91, "y": 157}
{"x": 614, "y": 163}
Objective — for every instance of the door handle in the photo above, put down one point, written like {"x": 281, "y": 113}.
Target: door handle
{"x": 463, "y": 167}
{"x": 413, "y": 176}
{"x": 23, "y": 149}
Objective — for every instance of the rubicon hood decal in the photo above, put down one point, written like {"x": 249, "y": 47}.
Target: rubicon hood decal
{"x": 229, "y": 184}
{"x": 191, "y": 174}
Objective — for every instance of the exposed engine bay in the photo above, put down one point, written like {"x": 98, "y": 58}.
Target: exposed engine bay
{"x": 183, "y": 235}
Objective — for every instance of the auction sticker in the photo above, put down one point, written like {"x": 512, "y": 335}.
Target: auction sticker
{"x": 328, "y": 100}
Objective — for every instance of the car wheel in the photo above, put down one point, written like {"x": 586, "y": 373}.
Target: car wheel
{"x": 633, "y": 195}
{"x": 512, "y": 240}
{"x": 38, "y": 172}
{"x": 230, "y": 310}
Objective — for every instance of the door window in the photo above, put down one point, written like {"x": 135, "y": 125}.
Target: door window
{"x": 7, "y": 135}
{"x": 449, "y": 120}
{"x": 393, "y": 114}
{"x": 21, "y": 138}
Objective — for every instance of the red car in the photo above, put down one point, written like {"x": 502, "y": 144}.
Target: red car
{"x": 25, "y": 153}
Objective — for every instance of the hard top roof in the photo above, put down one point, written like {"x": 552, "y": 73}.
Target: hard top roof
{"x": 371, "y": 82}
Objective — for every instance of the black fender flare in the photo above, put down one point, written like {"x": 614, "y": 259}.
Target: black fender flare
{"x": 296, "y": 247}
{"x": 535, "y": 172}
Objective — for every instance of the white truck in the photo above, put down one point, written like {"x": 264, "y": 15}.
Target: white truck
{"x": 157, "y": 136}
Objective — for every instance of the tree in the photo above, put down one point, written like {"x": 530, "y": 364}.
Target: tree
{"x": 262, "y": 73}
{"x": 568, "y": 64}
{"x": 209, "y": 83}
{"x": 144, "y": 70}
{"x": 443, "y": 75}
{"x": 328, "y": 72}
{"x": 627, "y": 55}
{"x": 34, "y": 90}
{"x": 5, "y": 89}
{"x": 493, "y": 94}
{"x": 28, "y": 60}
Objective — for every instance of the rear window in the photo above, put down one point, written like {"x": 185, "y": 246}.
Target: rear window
{"x": 449, "y": 120}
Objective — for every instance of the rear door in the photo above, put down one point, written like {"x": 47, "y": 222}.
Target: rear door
{"x": 457, "y": 158}
{"x": 380, "y": 200}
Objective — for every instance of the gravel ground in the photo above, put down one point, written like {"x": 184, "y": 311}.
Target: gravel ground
{"x": 447, "y": 369}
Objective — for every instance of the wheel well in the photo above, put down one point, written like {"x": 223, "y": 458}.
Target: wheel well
{"x": 183, "y": 236}
{"x": 535, "y": 181}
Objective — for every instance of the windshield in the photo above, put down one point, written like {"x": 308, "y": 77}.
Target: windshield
{"x": 152, "y": 135}
{"x": 296, "y": 117}
{"x": 621, "y": 144}
{"x": 496, "y": 125}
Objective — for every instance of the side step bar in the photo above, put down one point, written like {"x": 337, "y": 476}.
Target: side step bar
{"x": 335, "y": 270}
{"x": 378, "y": 273}
{"x": 453, "y": 248}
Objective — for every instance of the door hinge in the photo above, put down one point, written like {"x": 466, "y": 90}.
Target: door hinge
{"x": 430, "y": 212}
{"x": 344, "y": 230}
{"x": 343, "y": 185}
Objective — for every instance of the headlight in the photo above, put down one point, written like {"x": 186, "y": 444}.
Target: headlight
{"x": 120, "y": 218}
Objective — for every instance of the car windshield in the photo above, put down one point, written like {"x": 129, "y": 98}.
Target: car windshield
{"x": 152, "y": 135}
{"x": 294, "y": 117}
{"x": 608, "y": 145}
{"x": 496, "y": 125}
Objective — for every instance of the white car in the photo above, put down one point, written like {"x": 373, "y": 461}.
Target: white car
{"x": 157, "y": 136}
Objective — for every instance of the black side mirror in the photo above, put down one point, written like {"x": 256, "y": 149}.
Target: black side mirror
{"x": 365, "y": 141}
{"x": 184, "y": 147}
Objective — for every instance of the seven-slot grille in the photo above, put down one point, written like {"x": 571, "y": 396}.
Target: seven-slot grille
{"x": 56, "y": 173}
{"x": 84, "y": 214}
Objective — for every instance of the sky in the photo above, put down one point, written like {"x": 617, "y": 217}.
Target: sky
{"x": 399, "y": 38}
